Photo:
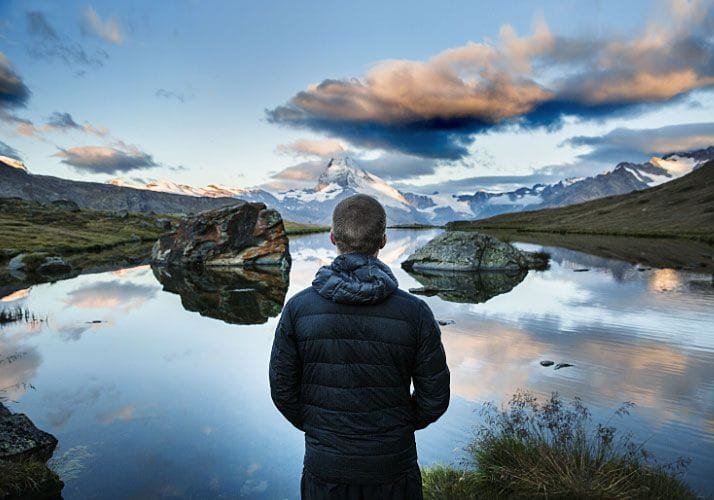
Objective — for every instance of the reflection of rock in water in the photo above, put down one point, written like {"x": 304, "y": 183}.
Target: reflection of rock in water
{"x": 234, "y": 295}
{"x": 472, "y": 288}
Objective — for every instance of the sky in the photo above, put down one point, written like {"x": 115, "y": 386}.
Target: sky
{"x": 461, "y": 95}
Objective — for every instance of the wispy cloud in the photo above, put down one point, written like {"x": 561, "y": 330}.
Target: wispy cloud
{"x": 63, "y": 122}
{"x": 9, "y": 151}
{"x": 622, "y": 144}
{"x": 47, "y": 43}
{"x": 309, "y": 148}
{"x": 109, "y": 30}
{"x": 434, "y": 108}
{"x": 170, "y": 94}
{"x": 106, "y": 159}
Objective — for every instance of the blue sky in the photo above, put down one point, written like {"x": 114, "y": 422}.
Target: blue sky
{"x": 424, "y": 92}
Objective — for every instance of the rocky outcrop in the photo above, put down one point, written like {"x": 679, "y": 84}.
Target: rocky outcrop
{"x": 24, "y": 451}
{"x": 38, "y": 263}
{"x": 232, "y": 294}
{"x": 462, "y": 287}
{"x": 469, "y": 251}
{"x": 244, "y": 234}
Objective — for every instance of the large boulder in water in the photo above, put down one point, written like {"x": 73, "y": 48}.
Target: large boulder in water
{"x": 244, "y": 234}
{"x": 467, "y": 251}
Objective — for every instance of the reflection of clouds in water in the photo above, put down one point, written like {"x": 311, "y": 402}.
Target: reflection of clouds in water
{"x": 17, "y": 295}
{"x": 253, "y": 486}
{"x": 126, "y": 412}
{"x": 575, "y": 303}
{"x": 609, "y": 366}
{"x": 74, "y": 332}
{"x": 111, "y": 295}
{"x": 63, "y": 404}
{"x": 664, "y": 279}
{"x": 133, "y": 272}
{"x": 490, "y": 365}
{"x": 19, "y": 362}
{"x": 252, "y": 469}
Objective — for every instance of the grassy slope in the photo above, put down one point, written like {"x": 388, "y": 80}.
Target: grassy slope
{"x": 301, "y": 228}
{"x": 683, "y": 207}
{"x": 31, "y": 227}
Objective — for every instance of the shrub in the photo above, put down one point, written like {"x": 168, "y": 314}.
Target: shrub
{"x": 552, "y": 450}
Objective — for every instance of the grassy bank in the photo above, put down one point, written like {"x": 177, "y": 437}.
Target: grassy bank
{"x": 294, "y": 228}
{"x": 31, "y": 227}
{"x": 550, "y": 449}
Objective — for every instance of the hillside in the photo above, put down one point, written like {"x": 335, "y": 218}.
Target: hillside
{"x": 16, "y": 182}
{"x": 683, "y": 207}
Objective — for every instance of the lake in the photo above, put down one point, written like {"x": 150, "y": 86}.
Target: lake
{"x": 154, "y": 388}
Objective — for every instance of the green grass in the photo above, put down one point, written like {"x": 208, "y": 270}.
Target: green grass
{"x": 550, "y": 449}
{"x": 30, "y": 227}
{"x": 295, "y": 228}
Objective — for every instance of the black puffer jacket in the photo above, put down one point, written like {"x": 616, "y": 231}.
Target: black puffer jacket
{"x": 345, "y": 353}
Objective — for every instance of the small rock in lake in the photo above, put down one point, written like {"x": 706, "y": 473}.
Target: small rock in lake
{"x": 562, "y": 365}
{"x": 95, "y": 321}
{"x": 546, "y": 362}
{"x": 642, "y": 269}
{"x": 581, "y": 270}
{"x": 444, "y": 322}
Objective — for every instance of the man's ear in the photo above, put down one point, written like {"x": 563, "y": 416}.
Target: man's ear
{"x": 384, "y": 241}
{"x": 332, "y": 238}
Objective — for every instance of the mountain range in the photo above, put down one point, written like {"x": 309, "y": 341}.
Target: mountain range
{"x": 343, "y": 177}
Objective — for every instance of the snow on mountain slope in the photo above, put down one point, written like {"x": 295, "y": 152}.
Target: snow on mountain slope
{"x": 13, "y": 162}
{"x": 210, "y": 191}
{"x": 343, "y": 177}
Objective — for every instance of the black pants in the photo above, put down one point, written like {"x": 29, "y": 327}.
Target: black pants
{"x": 404, "y": 487}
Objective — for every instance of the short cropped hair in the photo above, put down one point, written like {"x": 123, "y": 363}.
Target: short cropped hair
{"x": 359, "y": 223}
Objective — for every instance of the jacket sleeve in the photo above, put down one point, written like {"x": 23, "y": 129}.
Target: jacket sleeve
{"x": 430, "y": 398}
{"x": 285, "y": 371}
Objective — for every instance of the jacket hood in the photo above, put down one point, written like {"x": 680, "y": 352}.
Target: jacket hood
{"x": 355, "y": 278}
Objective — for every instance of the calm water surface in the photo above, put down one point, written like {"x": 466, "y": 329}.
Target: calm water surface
{"x": 150, "y": 396}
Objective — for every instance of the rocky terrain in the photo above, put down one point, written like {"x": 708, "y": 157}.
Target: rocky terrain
{"x": 471, "y": 252}
{"x": 244, "y": 234}
{"x": 24, "y": 452}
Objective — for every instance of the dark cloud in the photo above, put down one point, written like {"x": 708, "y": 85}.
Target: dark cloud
{"x": 624, "y": 144}
{"x": 395, "y": 167}
{"x": 105, "y": 159}
{"x": 62, "y": 121}
{"x": 436, "y": 108}
{"x": 49, "y": 44}
{"x": 7, "y": 150}
{"x": 13, "y": 91}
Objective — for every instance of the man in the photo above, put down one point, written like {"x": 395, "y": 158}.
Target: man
{"x": 345, "y": 353}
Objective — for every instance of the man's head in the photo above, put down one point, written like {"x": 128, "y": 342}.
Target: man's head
{"x": 358, "y": 225}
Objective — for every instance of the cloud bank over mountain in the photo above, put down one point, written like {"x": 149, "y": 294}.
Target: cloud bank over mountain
{"x": 435, "y": 108}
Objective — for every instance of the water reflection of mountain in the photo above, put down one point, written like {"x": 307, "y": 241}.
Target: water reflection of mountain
{"x": 472, "y": 288}
{"x": 234, "y": 295}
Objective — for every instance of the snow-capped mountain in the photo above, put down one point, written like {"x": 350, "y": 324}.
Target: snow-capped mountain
{"x": 344, "y": 177}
